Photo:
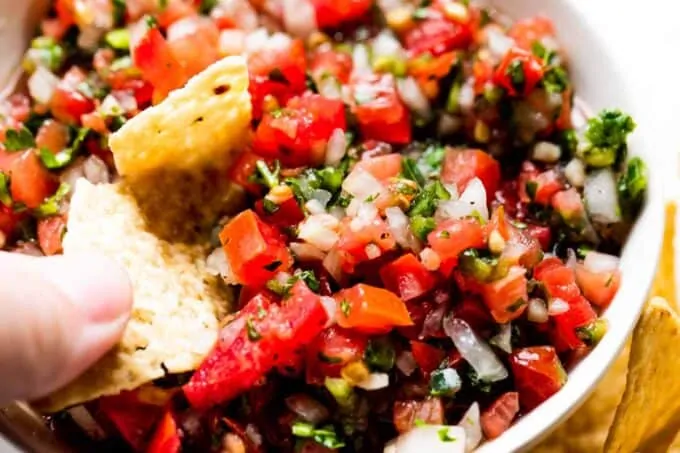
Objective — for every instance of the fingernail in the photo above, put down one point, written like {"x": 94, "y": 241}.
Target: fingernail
{"x": 96, "y": 284}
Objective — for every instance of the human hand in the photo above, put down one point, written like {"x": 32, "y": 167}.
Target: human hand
{"x": 58, "y": 315}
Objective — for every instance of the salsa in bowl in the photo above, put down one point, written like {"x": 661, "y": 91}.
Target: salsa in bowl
{"x": 429, "y": 222}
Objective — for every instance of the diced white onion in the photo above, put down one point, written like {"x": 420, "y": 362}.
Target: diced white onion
{"x": 41, "y": 85}
{"x": 84, "y": 419}
{"x": 466, "y": 97}
{"x": 337, "y": 147}
{"x": 537, "y": 311}
{"x": 306, "y": 252}
{"x": 600, "y": 262}
{"x": 362, "y": 185}
{"x": 110, "y": 106}
{"x": 96, "y": 171}
{"x": 299, "y": 17}
{"x": 329, "y": 88}
{"x": 365, "y": 215}
{"x": 361, "y": 59}
{"x": 472, "y": 202}
{"x": 398, "y": 224}
{"x": 217, "y": 264}
{"x": 315, "y": 207}
{"x": 473, "y": 427}
{"x": 571, "y": 259}
{"x": 413, "y": 97}
{"x": 428, "y": 438}
{"x": 557, "y": 307}
{"x": 503, "y": 339}
{"x": 320, "y": 231}
{"x": 546, "y": 152}
{"x": 385, "y": 44}
{"x": 338, "y": 212}
{"x": 375, "y": 381}
{"x": 307, "y": 408}
{"x": 322, "y": 196}
{"x": 430, "y": 259}
{"x": 406, "y": 363}
{"x": 575, "y": 172}
{"x": 601, "y": 198}
{"x": 475, "y": 351}
{"x": 331, "y": 307}
{"x": 256, "y": 40}
{"x": 333, "y": 264}
{"x": 232, "y": 42}
{"x": 372, "y": 251}
{"x": 499, "y": 43}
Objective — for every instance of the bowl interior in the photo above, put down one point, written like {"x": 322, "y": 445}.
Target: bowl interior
{"x": 602, "y": 79}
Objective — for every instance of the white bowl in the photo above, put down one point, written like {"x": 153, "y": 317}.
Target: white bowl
{"x": 609, "y": 48}
{"x": 621, "y": 55}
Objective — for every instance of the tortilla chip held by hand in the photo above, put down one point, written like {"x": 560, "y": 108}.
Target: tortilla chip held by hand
{"x": 648, "y": 417}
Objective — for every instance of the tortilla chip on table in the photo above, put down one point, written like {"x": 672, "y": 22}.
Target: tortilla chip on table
{"x": 156, "y": 222}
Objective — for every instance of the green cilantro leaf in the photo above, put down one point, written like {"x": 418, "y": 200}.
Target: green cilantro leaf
{"x": 50, "y": 206}
{"x": 19, "y": 139}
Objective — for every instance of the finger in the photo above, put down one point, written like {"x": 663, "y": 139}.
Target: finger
{"x": 58, "y": 315}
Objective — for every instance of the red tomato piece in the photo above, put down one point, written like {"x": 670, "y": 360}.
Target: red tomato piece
{"x": 50, "y": 232}
{"x": 498, "y": 417}
{"x": 287, "y": 214}
{"x": 68, "y": 103}
{"x": 598, "y": 287}
{"x": 408, "y": 414}
{"x": 461, "y": 166}
{"x": 369, "y": 309}
{"x": 507, "y": 298}
{"x": 30, "y": 181}
{"x": 189, "y": 34}
{"x": 452, "y": 237}
{"x": 538, "y": 374}
{"x": 382, "y": 167}
{"x": 134, "y": 419}
{"x": 166, "y": 438}
{"x": 427, "y": 356}
{"x": 483, "y": 73}
{"x": 569, "y": 205}
{"x": 544, "y": 186}
{"x": 298, "y": 134}
{"x": 331, "y": 350}
{"x": 526, "y": 32}
{"x": 519, "y": 72}
{"x": 407, "y": 277}
{"x": 255, "y": 250}
{"x": 8, "y": 220}
{"x": 560, "y": 282}
{"x": 175, "y": 10}
{"x": 52, "y": 136}
{"x": 333, "y": 13}
{"x": 256, "y": 341}
{"x": 331, "y": 63}
{"x": 352, "y": 244}
{"x": 473, "y": 312}
{"x": 437, "y": 36}
{"x": 379, "y": 110}
{"x": 155, "y": 59}
{"x": 277, "y": 71}
{"x": 243, "y": 169}
{"x": 542, "y": 234}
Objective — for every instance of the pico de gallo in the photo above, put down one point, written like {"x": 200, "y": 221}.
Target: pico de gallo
{"x": 430, "y": 223}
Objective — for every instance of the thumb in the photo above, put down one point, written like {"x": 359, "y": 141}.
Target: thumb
{"x": 58, "y": 315}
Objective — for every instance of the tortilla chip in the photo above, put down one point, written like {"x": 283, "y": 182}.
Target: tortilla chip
{"x": 205, "y": 122}
{"x": 652, "y": 396}
{"x": 177, "y": 303}
{"x": 664, "y": 282}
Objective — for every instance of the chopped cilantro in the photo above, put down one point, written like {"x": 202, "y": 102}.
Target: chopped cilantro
{"x": 593, "y": 332}
{"x": 445, "y": 435}
{"x": 425, "y": 203}
{"x": 345, "y": 307}
{"x": 119, "y": 38}
{"x": 538, "y": 49}
{"x": 430, "y": 162}
{"x": 329, "y": 359}
{"x": 606, "y": 137}
{"x": 64, "y": 157}
{"x": 207, "y": 6}
{"x": 409, "y": 170}
{"x": 5, "y": 197}
{"x": 420, "y": 13}
{"x": 531, "y": 187}
{"x": 151, "y": 22}
{"x": 555, "y": 80}
{"x": 19, "y": 139}
{"x": 269, "y": 177}
{"x": 515, "y": 72}
{"x": 50, "y": 206}
{"x": 445, "y": 382}
{"x": 118, "y": 10}
{"x": 422, "y": 226}
{"x": 380, "y": 355}
{"x": 253, "y": 334}
{"x": 325, "y": 435}
{"x": 632, "y": 186}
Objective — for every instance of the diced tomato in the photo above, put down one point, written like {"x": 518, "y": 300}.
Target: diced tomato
{"x": 261, "y": 294}
{"x": 379, "y": 110}
{"x": 287, "y": 214}
{"x": 8, "y": 220}
{"x": 436, "y": 36}
{"x": 331, "y": 350}
{"x": 166, "y": 438}
{"x": 407, "y": 277}
{"x": 369, "y": 309}
{"x": 598, "y": 287}
{"x": 68, "y": 103}
{"x": 563, "y": 121}
{"x": 382, "y": 167}
{"x": 140, "y": 89}
{"x": 483, "y": 73}
{"x": 257, "y": 340}
{"x": 519, "y": 72}
{"x": 333, "y": 13}
{"x": 498, "y": 417}
{"x": 352, "y": 244}
{"x": 507, "y": 298}
{"x": 461, "y": 166}
{"x": 255, "y": 250}
{"x": 559, "y": 282}
{"x": 526, "y": 32}
{"x": 569, "y": 205}
{"x": 298, "y": 134}
{"x": 544, "y": 186}
{"x": 96, "y": 122}
{"x": 50, "y": 232}
{"x": 451, "y": 237}
{"x": 189, "y": 34}
{"x": 134, "y": 419}
{"x": 538, "y": 374}
{"x": 473, "y": 312}
{"x": 95, "y": 147}
{"x": 175, "y": 10}
{"x": 30, "y": 181}
{"x": 426, "y": 356}
{"x": 543, "y": 234}
{"x": 158, "y": 64}
{"x": 407, "y": 414}
{"x": 428, "y": 71}
{"x": 52, "y": 136}
{"x": 277, "y": 71}
{"x": 242, "y": 171}
{"x": 331, "y": 63}
{"x": 19, "y": 106}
